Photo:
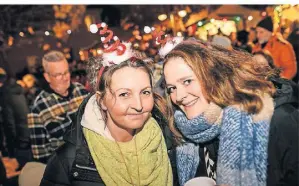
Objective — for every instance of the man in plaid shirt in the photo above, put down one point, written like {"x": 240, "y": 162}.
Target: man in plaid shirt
{"x": 54, "y": 108}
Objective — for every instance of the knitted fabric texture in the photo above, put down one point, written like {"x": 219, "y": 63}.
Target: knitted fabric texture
{"x": 242, "y": 155}
{"x": 197, "y": 130}
{"x": 152, "y": 160}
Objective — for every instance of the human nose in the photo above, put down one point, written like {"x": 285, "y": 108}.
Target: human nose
{"x": 137, "y": 104}
{"x": 180, "y": 94}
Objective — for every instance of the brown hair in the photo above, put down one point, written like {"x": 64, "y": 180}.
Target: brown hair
{"x": 52, "y": 56}
{"x": 228, "y": 77}
{"x": 103, "y": 83}
{"x": 268, "y": 57}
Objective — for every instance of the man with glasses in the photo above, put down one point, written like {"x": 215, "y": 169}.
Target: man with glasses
{"x": 54, "y": 108}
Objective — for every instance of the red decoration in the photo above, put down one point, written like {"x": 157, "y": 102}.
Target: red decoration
{"x": 117, "y": 46}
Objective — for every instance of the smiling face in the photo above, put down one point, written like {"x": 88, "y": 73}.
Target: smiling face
{"x": 184, "y": 88}
{"x": 129, "y": 103}
{"x": 58, "y": 76}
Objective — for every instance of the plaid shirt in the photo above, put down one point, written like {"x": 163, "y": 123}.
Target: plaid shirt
{"x": 50, "y": 117}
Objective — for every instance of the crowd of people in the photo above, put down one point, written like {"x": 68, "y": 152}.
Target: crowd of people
{"x": 226, "y": 109}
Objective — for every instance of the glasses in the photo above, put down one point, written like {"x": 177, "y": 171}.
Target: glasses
{"x": 59, "y": 76}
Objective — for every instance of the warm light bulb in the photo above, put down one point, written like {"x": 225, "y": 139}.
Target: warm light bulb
{"x": 182, "y": 13}
{"x": 47, "y": 33}
{"x": 250, "y": 18}
{"x": 162, "y": 17}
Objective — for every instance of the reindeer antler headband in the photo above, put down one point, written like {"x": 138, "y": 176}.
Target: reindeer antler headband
{"x": 118, "y": 51}
{"x": 167, "y": 43}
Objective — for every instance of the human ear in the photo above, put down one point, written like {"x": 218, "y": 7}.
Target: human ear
{"x": 100, "y": 100}
{"x": 47, "y": 78}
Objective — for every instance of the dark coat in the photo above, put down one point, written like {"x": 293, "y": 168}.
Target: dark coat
{"x": 72, "y": 163}
{"x": 14, "y": 112}
{"x": 283, "y": 138}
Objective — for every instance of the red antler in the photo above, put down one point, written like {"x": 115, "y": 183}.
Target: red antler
{"x": 158, "y": 36}
{"x": 116, "y": 46}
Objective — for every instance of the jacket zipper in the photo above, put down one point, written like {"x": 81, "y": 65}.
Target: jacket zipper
{"x": 83, "y": 167}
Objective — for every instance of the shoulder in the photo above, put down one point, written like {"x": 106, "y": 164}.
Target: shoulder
{"x": 280, "y": 40}
{"x": 39, "y": 101}
{"x": 79, "y": 89}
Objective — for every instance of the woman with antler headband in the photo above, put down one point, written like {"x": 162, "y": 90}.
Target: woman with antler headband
{"x": 117, "y": 137}
{"x": 218, "y": 94}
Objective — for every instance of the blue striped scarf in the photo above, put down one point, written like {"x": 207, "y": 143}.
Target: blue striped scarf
{"x": 242, "y": 155}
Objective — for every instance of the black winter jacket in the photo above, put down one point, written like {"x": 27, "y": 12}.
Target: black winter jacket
{"x": 14, "y": 110}
{"x": 72, "y": 164}
{"x": 283, "y": 155}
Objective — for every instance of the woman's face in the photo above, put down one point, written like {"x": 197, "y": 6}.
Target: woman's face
{"x": 184, "y": 88}
{"x": 130, "y": 101}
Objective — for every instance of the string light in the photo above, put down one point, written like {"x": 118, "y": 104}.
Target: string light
{"x": 69, "y": 31}
{"x": 212, "y": 20}
{"x": 162, "y": 17}
{"x": 179, "y": 34}
{"x": 250, "y": 18}
{"x": 21, "y": 34}
{"x": 182, "y": 13}
{"x": 47, "y": 33}
{"x": 200, "y": 23}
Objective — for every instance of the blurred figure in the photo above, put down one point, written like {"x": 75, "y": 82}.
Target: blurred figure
{"x": 252, "y": 40}
{"x": 233, "y": 38}
{"x": 223, "y": 41}
{"x": 242, "y": 37}
{"x": 54, "y": 108}
{"x": 293, "y": 38}
{"x": 2, "y": 172}
{"x": 283, "y": 142}
{"x": 31, "y": 89}
{"x": 281, "y": 50}
{"x": 14, "y": 111}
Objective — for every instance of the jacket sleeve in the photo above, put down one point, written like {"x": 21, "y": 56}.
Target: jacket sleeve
{"x": 38, "y": 136}
{"x": 288, "y": 62}
{"x": 55, "y": 174}
{"x": 283, "y": 148}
